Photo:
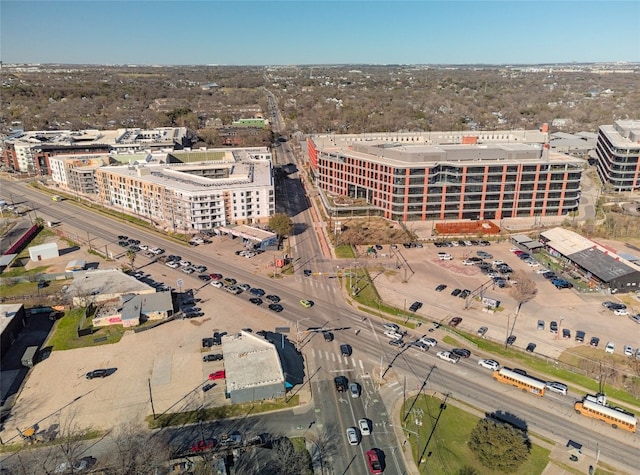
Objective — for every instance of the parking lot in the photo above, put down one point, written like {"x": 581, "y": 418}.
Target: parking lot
{"x": 571, "y": 309}
{"x": 164, "y": 363}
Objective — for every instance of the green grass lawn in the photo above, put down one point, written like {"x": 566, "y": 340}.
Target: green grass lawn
{"x": 65, "y": 335}
{"x": 448, "y": 445}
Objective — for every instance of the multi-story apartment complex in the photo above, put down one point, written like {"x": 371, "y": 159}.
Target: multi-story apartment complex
{"x": 618, "y": 151}
{"x": 77, "y": 172}
{"x": 426, "y": 177}
{"x": 235, "y": 187}
{"x": 30, "y": 152}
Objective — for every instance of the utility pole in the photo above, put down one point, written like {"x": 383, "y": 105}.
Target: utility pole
{"x": 153, "y": 411}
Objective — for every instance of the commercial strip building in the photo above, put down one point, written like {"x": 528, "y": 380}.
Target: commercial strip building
{"x": 447, "y": 176}
{"x": 618, "y": 155}
{"x": 12, "y": 317}
{"x": 597, "y": 264}
{"x": 253, "y": 370}
{"x": 226, "y": 186}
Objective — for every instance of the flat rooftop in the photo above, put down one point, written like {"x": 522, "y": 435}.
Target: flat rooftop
{"x": 105, "y": 282}
{"x": 250, "y": 361}
{"x": 7, "y": 312}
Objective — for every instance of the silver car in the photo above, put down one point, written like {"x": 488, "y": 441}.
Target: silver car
{"x": 556, "y": 387}
{"x": 353, "y": 436}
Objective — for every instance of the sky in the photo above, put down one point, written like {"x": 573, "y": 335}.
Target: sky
{"x": 319, "y": 32}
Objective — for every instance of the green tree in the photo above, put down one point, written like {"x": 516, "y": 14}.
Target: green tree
{"x": 281, "y": 224}
{"x": 131, "y": 255}
{"x": 499, "y": 446}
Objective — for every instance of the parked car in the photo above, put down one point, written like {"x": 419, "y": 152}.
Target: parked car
{"x": 217, "y": 375}
{"x": 566, "y": 333}
{"x": 610, "y": 348}
{"x": 207, "y": 387}
{"x": 207, "y": 342}
{"x": 482, "y": 331}
{"x": 456, "y": 292}
{"x": 553, "y": 327}
{"x": 391, "y": 326}
{"x": 556, "y": 387}
{"x": 394, "y": 335}
{"x": 212, "y": 357}
{"x": 328, "y": 336}
{"x": 595, "y": 341}
{"x": 613, "y": 305}
{"x": 540, "y": 325}
{"x": 511, "y": 339}
{"x": 419, "y": 345}
{"x": 628, "y": 351}
{"x": 276, "y": 307}
{"x": 464, "y": 294}
{"x": 621, "y": 312}
{"x": 415, "y": 306}
{"x": 531, "y": 347}
{"x": 489, "y": 364}
{"x": 98, "y": 373}
{"x": 455, "y": 321}
{"x": 635, "y": 318}
{"x": 580, "y": 336}
{"x": 441, "y": 287}
{"x": 273, "y": 298}
{"x": 256, "y": 300}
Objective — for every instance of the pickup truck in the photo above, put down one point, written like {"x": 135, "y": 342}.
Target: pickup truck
{"x": 341, "y": 383}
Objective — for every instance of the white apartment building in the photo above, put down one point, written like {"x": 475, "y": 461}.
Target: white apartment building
{"x": 230, "y": 187}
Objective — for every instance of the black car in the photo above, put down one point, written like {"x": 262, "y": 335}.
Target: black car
{"x": 98, "y": 373}
{"x": 595, "y": 341}
{"x": 42, "y": 284}
{"x": 207, "y": 342}
{"x": 397, "y": 342}
{"x": 207, "y": 386}
{"x": 531, "y": 347}
{"x": 273, "y": 298}
{"x": 415, "y": 306}
{"x": 464, "y": 294}
{"x": 204, "y": 277}
{"x": 553, "y": 327}
{"x": 257, "y": 292}
{"x": 441, "y": 287}
{"x": 346, "y": 350}
{"x": 123, "y": 238}
{"x": 511, "y": 340}
{"x": 580, "y": 336}
{"x": 307, "y": 272}
{"x": 328, "y": 336}
{"x": 461, "y": 352}
{"x": 194, "y": 314}
{"x": 217, "y": 338}
{"x": 212, "y": 357}
{"x": 276, "y": 307}
{"x": 123, "y": 243}
{"x": 456, "y": 292}
{"x": 341, "y": 383}
{"x": 256, "y": 300}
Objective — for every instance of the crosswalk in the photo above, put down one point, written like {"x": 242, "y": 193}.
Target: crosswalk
{"x": 320, "y": 283}
{"x": 336, "y": 358}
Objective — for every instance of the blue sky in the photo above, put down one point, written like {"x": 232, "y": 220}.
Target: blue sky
{"x": 324, "y": 32}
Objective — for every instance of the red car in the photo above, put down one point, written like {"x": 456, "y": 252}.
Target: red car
{"x": 373, "y": 461}
{"x": 455, "y": 321}
{"x": 203, "y": 445}
{"x": 217, "y": 375}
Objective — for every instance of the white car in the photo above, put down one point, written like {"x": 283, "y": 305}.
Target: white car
{"x": 628, "y": 351}
{"x": 184, "y": 263}
{"x": 489, "y": 364}
{"x": 394, "y": 335}
{"x": 467, "y": 262}
{"x": 621, "y": 312}
{"x": 391, "y": 326}
{"x": 172, "y": 264}
{"x": 365, "y": 429}
{"x": 610, "y": 348}
{"x": 353, "y": 436}
{"x": 542, "y": 270}
{"x": 447, "y": 356}
{"x": 498, "y": 262}
{"x": 217, "y": 283}
{"x": 557, "y": 387}
{"x": 532, "y": 264}
{"x": 428, "y": 341}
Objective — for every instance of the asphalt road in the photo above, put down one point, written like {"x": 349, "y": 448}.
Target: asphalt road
{"x": 550, "y": 416}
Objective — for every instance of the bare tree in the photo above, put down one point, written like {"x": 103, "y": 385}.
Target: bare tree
{"x": 136, "y": 452}
{"x": 523, "y": 290}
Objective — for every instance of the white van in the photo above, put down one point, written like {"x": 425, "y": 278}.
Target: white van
{"x": 445, "y": 256}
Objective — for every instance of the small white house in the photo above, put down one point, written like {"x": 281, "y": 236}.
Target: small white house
{"x": 44, "y": 251}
